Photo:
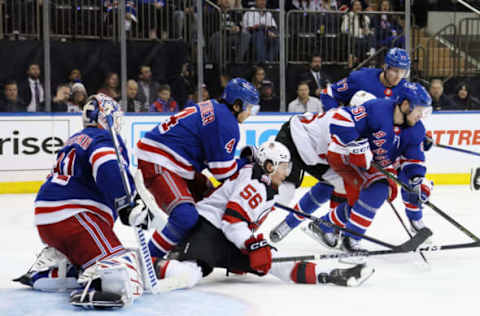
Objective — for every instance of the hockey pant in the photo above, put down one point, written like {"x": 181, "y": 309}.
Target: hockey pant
{"x": 207, "y": 248}
{"x": 176, "y": 196}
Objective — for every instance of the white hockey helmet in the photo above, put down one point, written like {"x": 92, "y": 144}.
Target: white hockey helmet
{"x": 275, "y": 153}
{"x": 360, "y": 97}
{"x": 97, "y": 108}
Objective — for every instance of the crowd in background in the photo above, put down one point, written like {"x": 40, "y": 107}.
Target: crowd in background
{"x": 245, "y": 30}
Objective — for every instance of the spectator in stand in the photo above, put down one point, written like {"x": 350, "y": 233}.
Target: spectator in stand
{"x": 205, "y": 94}
{"x": 272, "y": 4}
{"x": 182, "y": 86}
{"x": 229, "y": 27}
{"x": 304, "y": 102}
{"x": 133, "y": 105}
{"x": 74, "y": 77}
{"x": 269, "y": 101}
{"x": 463, "y": 99}
{"x": 31, "y": 89}
{"x": 147, "y": 89}
{"x": 112, "y": 9}
{"x": 357, "y": 25}
{"x": 439, "y": 100}
{"x": 110, "y": 86}
{"x": 11, "y": 102}
{"x": 258, "y": 77}
{"x": 264, "y": 32}
{"x": 164, "y": 102}
{"x": 386, "y": 25}
{"x": 60, "y": 100}
{"x": 316, "y": 79}
{"x": 78, "y": 98}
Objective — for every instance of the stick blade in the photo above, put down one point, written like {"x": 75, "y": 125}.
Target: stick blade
{"x": 414, "y": 242}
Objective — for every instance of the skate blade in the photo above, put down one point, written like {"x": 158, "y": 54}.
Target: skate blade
{"x": 310, "y": 234}
{"x": 365, "y": 274}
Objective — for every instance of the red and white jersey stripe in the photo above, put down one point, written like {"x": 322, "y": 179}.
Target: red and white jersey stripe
{"x": 157, "y": 153}
{"x": 49, "y": 212}
{"x": 100, "y": 156}
{"x": 222, "y": 169}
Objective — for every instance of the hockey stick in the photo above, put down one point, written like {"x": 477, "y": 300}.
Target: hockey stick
{"x": 409, "y": 245}
{"x": 394, "y": 209}
{"x": 145, "y": 257}
{"x": 430, "y": 204}
{"x": 373, "y": 253}
{"x": 452, "y": 148}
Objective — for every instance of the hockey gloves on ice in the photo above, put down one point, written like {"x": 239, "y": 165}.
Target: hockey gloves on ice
{"x": 360, "y": 154}
{"x": 259, "y": 253}
{"x": 137, "y": 214}
{"x": 421, "y": 189}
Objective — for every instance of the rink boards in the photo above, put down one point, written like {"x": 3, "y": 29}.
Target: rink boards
{"x": 28, "y": 143}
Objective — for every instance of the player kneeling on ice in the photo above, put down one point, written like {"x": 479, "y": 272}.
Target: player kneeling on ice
{"x": 391, "y": 133}
{"x": 75, "y": 211}
{"x": 223, "y": 236}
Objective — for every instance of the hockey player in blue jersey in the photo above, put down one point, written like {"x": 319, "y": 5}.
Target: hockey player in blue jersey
{"x": 75, "y": 211}
{"x": 173, "y": 154}
{"x": 391, "y": 133}
{"x": 382, "y": 83}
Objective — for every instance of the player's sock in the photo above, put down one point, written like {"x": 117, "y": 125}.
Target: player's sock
{"x": 181, "y": 220}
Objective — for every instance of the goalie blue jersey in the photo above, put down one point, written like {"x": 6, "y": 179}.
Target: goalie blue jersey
{"x": 366, "y": 79}
{"x": 85, "y": 177}
{"x": 201, "y": 136}
{"x": 391, "y": 145}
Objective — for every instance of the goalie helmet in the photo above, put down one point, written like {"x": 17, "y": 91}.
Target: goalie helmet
{"x": 275, "y": 153}
{"x": 98, "y": 108}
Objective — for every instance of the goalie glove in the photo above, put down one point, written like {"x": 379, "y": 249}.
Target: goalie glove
{"x": 137, "y": 214}
{"x": 421, "y": 189}
{"x": 360, "y": 154}
{"x": 259, "y": 253}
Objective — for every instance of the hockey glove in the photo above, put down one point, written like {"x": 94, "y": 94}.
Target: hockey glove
{"x": 137, "y": 214}
{"x": 427, "y": 143}
{"x": 360, "y": 154}
{"x": 392, "y": 189}
{"x": 249, "y": 153}
{"x": 259, "y": 253}
{"x": 421, "y": 189}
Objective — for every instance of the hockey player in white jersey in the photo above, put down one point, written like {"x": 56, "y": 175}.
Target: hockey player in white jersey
{"x": 224, "y": 236}
{"x": 75, "y": 211}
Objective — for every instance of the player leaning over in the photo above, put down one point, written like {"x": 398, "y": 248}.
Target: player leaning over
{"x": 382, "y": 83}
{"x": 75, "y": 210}
{"x": 390, "y": 132}
{"x": 224, "y": 234}
{"x": 172, "y": 155}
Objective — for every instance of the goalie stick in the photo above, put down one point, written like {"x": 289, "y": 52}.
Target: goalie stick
{"x": 374, "y": 252}
{"x": 151, "y": 282}
{"x": 428, "y": 203}
{"x": 407, "y": 246}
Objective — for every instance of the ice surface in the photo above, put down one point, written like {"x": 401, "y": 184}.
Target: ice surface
{"x": 402, "y": 284}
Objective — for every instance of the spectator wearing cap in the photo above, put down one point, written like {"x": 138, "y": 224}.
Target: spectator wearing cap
{"x": 304, "y": 102}
{"x": 31, "y": 89}
{"x": 74, "y": 77}
{"x": 78, "y": 98}
{"x": 268, "y": 101}
{"x": 133, "y": 105}
{"x": 164, "y": 102}
{"x": 11, "y": 102}
{"x": 463, "y": 98}
{"x": 60, "y": 100}
{"x": 439, "y": 100}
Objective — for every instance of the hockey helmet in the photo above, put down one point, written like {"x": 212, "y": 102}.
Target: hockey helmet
{"x": 241, "y": 89}
{"x": 98, "y": 108}
{"x": 275, "y": 153}
{"x": 397, "y": 57}
{"x": 417, "y": 96}
{"x": 360, "y": 97}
